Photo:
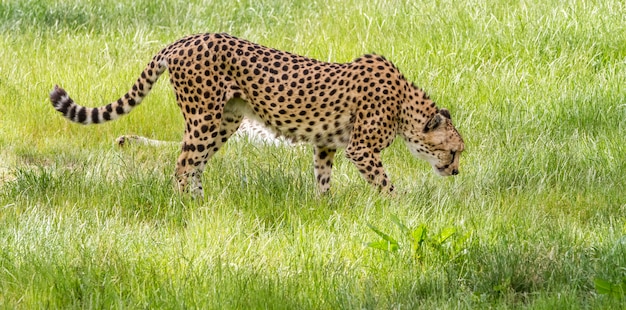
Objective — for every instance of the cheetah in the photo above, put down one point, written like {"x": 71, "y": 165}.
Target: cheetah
{"x": 359, "y": 106}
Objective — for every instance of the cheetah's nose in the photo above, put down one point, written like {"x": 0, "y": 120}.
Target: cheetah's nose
{"x": 455, "y": 171}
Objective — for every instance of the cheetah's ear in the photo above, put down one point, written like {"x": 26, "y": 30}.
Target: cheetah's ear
{"x": 445, "y": 113}
{"x": 433, "y": 123}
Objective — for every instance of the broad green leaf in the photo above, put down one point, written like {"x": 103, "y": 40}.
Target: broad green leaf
{"x": 607, "y": 288}
{"x": 383, "y": 245}
{"x": 418, "y": 235}
{"x": 383, "y": 235}
{"x": 444, "y": 235}
{"x": 602, "y": 286}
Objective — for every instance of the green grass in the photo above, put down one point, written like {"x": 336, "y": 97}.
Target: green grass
{"x": 537, "y": 88}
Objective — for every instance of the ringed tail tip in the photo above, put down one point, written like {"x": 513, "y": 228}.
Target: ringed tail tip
{"x": 56, "y": 95}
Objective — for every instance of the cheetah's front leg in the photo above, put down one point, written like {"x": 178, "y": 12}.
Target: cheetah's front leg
{"x": 323, "y": 161}
{"x": 370, "y": 166}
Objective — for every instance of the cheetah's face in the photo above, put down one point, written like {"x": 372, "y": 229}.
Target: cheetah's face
{"x": 440, "y": 144}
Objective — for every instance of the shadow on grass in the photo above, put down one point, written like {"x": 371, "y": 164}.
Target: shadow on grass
{"x": 140, "y": 196}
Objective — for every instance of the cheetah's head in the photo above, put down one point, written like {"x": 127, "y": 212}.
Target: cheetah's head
{"x": 439, "y": 143}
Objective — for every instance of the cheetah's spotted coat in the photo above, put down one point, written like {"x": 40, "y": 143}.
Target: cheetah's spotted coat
{"x": 360, "y": 106}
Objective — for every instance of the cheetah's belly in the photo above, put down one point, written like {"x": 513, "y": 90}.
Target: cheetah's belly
{"x": 331, "y": 131}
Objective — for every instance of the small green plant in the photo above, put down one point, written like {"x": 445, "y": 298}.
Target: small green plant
{"x": 615, "y": 290}
{"x": 448, "y": 243}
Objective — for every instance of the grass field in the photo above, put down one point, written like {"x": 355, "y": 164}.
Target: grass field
{"x": 536, "y": 219}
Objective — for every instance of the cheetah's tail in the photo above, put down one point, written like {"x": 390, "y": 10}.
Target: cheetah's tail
{"x": 114, "y": 110}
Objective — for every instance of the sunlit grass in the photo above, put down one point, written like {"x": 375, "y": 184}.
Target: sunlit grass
{"x": 536, "y": 88}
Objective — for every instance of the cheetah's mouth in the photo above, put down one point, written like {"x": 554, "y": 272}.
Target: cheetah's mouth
{"x": 443, "y": 170}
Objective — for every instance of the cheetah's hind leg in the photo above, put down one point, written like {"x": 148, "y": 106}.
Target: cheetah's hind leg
{"x": 196, "y": 151}
{"x": 126, "y": 140}
{"x": 249, "y": 130}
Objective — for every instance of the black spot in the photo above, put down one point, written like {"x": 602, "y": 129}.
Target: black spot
{"x": 323, "y": 155}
